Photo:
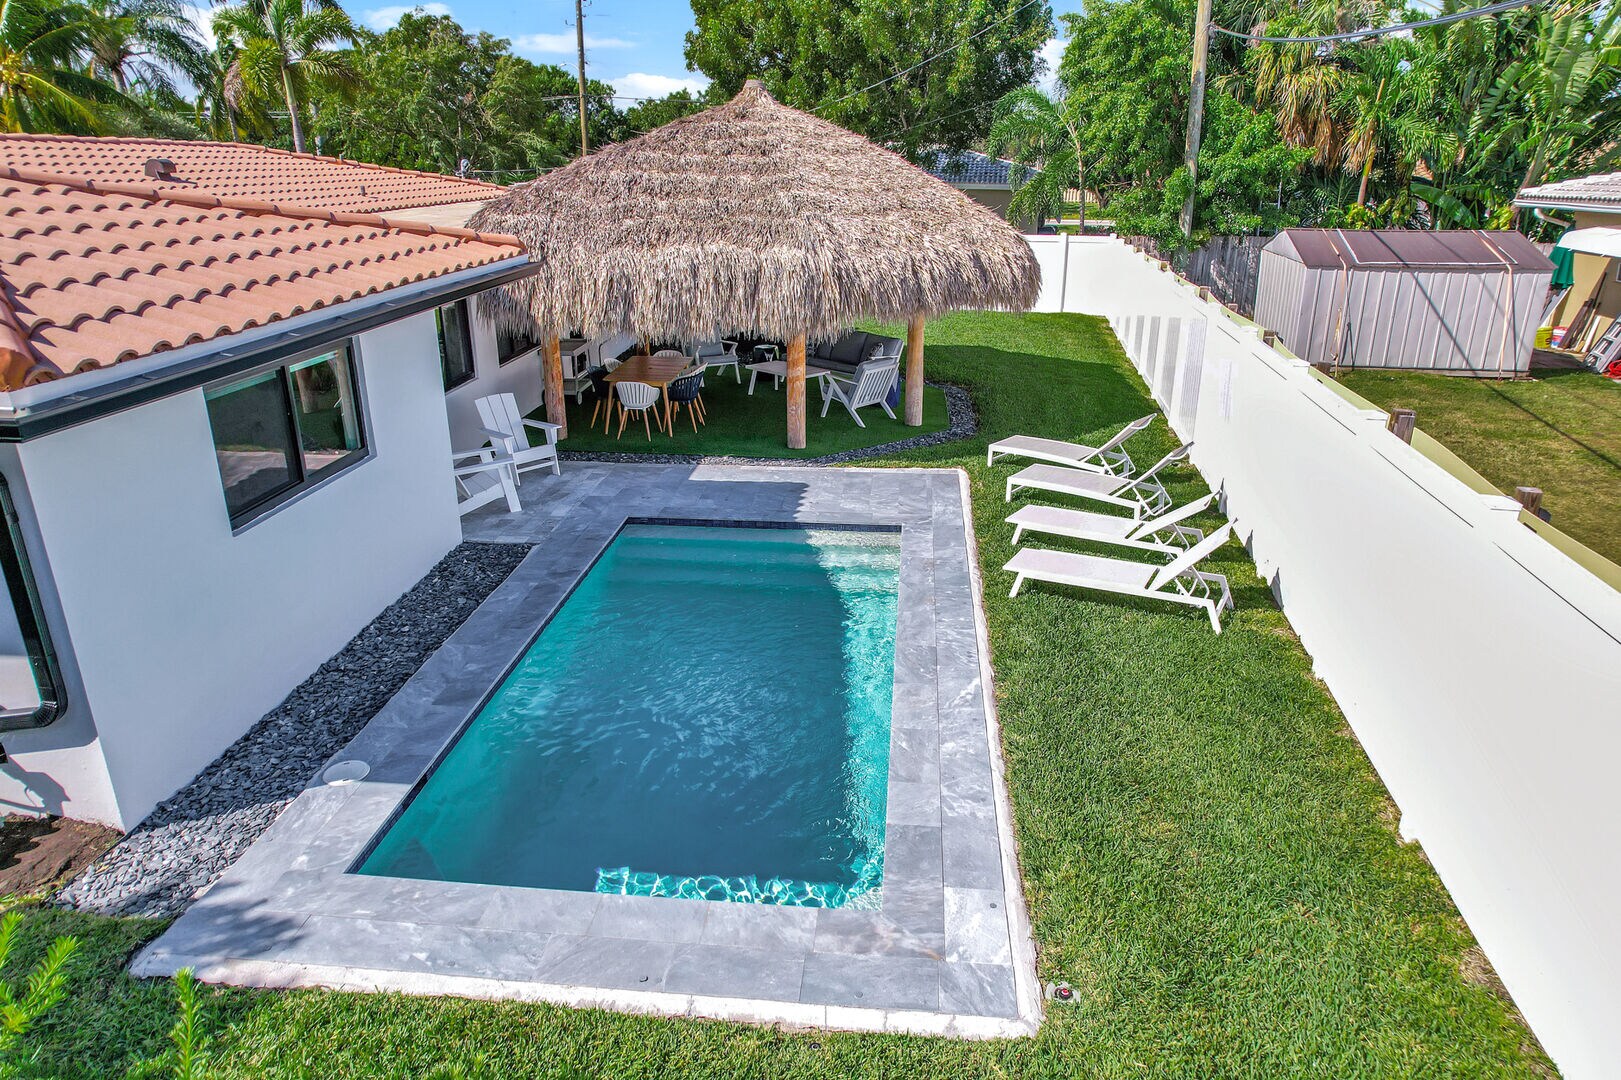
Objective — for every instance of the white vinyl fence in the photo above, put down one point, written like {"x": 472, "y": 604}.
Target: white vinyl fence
{"x": 1479, "y": 665}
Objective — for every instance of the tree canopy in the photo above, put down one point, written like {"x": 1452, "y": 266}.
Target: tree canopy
{"x": 457, "y": 97}
{"x": 1439, "y": 127}
{"x": 847, "y": 60}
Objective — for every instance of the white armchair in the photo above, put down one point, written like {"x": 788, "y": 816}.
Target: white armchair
{"x": 721, "y": 354}
{"x": 870, "y": 385}
{"x": 505, "y": 427}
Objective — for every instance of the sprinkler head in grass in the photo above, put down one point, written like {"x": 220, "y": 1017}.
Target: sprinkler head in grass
{"x": 1061, "y": 991}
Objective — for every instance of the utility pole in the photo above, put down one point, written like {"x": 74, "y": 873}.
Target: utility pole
{"x": 1190, "y": 155}
{"x": 579, "y": 41}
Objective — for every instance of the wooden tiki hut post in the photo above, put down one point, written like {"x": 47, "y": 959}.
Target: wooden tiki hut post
{"x": 914, "y": 371}
{"x": 796, "y": 392}
{"x": 552, "y": 382}
{"x": 752, "y": 217}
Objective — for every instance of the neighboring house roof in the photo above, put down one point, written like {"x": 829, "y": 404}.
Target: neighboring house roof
{"x": 239, "y": 171}
{"x": 93, "y": 274}
{"x": 1598, "y": 192}
{"x": 968, "y": 168}
{"x": 1409, "y": 249}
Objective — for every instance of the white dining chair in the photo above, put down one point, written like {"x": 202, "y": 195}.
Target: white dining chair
{"x": 638, "y": 397}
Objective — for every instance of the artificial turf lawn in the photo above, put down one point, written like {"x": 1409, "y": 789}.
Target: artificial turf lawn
{"x": 741, "y": 425}
{"x": 1559, "y": 431}
{"x": 1207, "y": 854}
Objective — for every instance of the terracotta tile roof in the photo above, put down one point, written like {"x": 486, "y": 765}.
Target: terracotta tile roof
{"x": 92, "y": 274}
{"x": 240, "y": 171}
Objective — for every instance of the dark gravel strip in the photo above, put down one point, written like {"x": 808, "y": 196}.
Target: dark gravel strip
{"x": 193, "y": 836}
{"x": 960, "y": 409}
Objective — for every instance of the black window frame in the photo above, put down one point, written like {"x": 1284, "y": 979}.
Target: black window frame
{"x": 452, "y": 379}
{"x": 35, "y": 631}
{"x": 531, "y": 340}
{"x": 304, "y": 480}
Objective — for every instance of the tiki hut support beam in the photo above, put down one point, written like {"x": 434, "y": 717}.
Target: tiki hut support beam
{"x": 552, "y": 380}
{"x": 914, "y": 371}
{"x": 796, "y": 392}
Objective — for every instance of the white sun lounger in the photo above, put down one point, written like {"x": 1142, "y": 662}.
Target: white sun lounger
{"x": 1164, "y": 533}
{"x": 1180, "y": 581}
{"x": 1108, "y": 458}
{"x": 1141, "y": 495}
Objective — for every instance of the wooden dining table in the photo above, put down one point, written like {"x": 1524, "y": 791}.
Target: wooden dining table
{"x": 659, "y": 371}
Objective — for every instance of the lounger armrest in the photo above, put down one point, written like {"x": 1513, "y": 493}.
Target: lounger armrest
{"x": 485, "y": 453}
{"x": 493, "y": 434}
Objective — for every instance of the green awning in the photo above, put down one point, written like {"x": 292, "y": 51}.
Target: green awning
{"x": 1563, "y": 261}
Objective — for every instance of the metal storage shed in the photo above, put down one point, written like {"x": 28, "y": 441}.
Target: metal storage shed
{"x": 1465, "y": 301}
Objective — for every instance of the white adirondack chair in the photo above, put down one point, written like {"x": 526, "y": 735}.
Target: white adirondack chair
{"x": 870, "y": 385}
{"x": 505, "y": 427}
{"x": 485, "y": 477}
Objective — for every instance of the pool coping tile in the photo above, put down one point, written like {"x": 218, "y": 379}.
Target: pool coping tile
{"x": 947, "y": 950}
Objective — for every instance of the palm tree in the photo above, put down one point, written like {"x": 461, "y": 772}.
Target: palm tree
{"x": 144, "y": 41}
{"x": 1033, "y": 129}
{"x": 1556, "y": 104}
{"x": 1300, "y": 88}
{"x": 284, "y": 45}
{"x": 43, "y": 45}
{"x": 1386, "y": 104}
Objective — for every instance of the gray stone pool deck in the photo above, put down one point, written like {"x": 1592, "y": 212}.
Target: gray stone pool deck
{"x": 947, "y": 952}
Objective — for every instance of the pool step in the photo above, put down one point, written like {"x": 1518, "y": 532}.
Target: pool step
{"x": 763, "y": 554}
{"x": 754, "y": 575}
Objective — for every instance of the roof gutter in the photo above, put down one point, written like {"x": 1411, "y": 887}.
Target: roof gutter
{"x": 1568, "y": 206}
{"x": 243, "y": 352}
{"x": 1542, "y": 215}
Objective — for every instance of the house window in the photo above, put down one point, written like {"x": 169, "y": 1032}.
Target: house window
{"x": 31, "y": 691}
{"x": 509, "y": 345}
{"x": 283, "y": 430}
{"x": 455, "y": 343}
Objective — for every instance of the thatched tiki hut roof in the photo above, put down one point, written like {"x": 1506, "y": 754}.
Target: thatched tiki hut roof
{"x": 757, "y": 219}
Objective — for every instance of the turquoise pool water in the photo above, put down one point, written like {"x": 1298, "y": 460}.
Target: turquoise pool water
{"x": 707, "y": 716}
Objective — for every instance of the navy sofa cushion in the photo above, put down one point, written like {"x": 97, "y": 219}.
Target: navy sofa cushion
{"x": 852, "y": 347}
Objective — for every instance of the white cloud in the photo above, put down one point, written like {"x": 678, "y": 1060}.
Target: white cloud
{"x": 1052, "y": 53}
{"x": 642, "y": 85}
{"x": 551, "y": 44}
{"x": 202, "y": 17}
{"x": 382, "y": 18}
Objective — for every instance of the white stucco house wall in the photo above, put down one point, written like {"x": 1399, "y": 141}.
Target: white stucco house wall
{"x": 225, "y": 439}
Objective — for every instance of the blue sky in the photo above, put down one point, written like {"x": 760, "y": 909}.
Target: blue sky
{"x": 633, "y": 44}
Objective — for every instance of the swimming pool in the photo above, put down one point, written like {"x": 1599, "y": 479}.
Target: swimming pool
{"x": 707, "y": 716}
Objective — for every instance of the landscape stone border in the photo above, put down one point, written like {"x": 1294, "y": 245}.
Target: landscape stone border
{"x": 964, "y": 423}
{"x": 948, "y": 950}
{"x": 200, "y": 830}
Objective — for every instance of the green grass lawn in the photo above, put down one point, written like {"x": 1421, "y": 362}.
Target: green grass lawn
{"x": 1560, "y": 432}
{"x": 754, "y": 426}
{"x": 1208, "y": 856}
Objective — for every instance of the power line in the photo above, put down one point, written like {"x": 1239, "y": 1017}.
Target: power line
{"x": 1353, "y": 35}
{"x": 891, "y": 137}
{"x": 943, "y": 52}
